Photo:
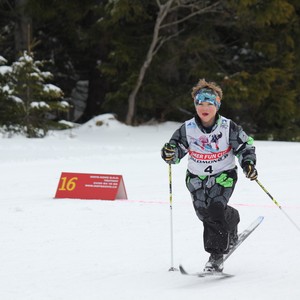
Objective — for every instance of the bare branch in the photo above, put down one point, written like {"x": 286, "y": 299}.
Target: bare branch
{"x": 165, "y": 40}
{"x": 188, "y": 5}
{"x": 196, "y": 8}
{"x": 207, "y": 9}
{"x": 163, "y": 12}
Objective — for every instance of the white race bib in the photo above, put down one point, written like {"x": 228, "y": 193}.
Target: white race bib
{"x": 209, "y": 153}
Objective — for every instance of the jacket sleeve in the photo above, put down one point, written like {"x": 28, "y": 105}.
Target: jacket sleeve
{"x": 179, "y": 139}
{"x": 242, "y": 144}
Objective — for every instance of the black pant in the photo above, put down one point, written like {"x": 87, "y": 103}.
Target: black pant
{"x": 210, "y": 196}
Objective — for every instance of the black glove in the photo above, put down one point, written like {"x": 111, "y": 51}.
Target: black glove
{"x": 249, "y": 170}
{"x": 169, "y": 153}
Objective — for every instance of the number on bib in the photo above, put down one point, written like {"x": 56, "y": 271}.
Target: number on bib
{"x": 209, "y": 169}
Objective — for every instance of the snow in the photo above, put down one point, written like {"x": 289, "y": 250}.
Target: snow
{"x": 5, "y": 69}
{"x": 2, "y": 60}
{"x": 92, "y": 249}
{"x": 48, "y": 88}
{"x": 39, "y": 104}
{"x": 15, "y": 99}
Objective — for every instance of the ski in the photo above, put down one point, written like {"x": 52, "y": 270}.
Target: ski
{"x": 205, "y": 274}
{"x": 241, "y": 239}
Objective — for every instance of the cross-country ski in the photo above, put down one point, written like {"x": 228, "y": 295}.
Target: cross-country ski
{"x": 241, "y": 238}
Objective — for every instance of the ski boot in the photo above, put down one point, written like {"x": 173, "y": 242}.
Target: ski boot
{"x": 213, "y": 264}
{"x": 233, "y": 238}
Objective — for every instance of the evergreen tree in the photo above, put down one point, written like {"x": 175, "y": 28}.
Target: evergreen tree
{"x": 76, "y": 44}
{"x": 27, "y": 100}
{"x": 251, "y": 48}
{"x": 259, "y": 82}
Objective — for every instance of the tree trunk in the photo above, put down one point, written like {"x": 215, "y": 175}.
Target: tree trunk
{"x": 196, "y": 9}
{"x": 23, "y": 28}
{"x": 96, "y": 96}
{"x": 163, "y": 11}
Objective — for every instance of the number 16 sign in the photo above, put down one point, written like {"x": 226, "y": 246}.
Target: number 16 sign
{"x": 91, "y": 186}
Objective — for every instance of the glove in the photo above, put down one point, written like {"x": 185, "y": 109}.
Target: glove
{"x": 250, "y": 171}
{"x": 169, "y": 153}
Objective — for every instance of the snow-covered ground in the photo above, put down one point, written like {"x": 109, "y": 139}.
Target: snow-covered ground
{"x": 92, "y": 249}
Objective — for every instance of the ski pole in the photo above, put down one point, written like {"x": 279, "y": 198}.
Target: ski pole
{"x": 171, "y": 217}
{"x": 273, "y": 199}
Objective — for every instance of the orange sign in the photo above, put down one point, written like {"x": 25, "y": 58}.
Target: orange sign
{"x": 91, "y": 186}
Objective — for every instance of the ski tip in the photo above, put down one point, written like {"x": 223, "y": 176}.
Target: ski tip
{"x": 182, "y": 270}
{"x": 261, "y": 218}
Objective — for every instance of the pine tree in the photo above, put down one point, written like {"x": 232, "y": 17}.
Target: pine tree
{"x": 28, "y": 103}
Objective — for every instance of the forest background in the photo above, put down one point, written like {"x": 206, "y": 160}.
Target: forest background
{"x": 139, "y": 59}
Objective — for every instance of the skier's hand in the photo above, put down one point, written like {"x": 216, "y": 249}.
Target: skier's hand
{"x": 169, "y": 153}
{"x": 250, "y": 171}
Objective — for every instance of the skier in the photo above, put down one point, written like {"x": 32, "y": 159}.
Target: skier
{"x": 212, "y": 173}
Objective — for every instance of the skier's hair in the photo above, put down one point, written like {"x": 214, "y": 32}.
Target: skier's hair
{"x": 202, "y": 83}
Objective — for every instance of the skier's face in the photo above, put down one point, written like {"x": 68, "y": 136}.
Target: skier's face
{"x": 206, "y": 112}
